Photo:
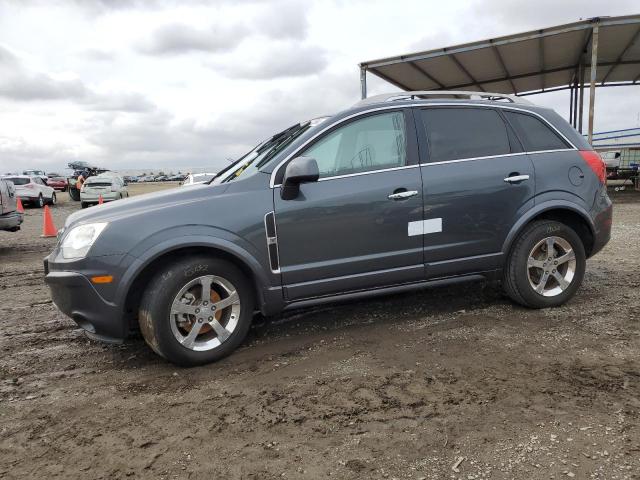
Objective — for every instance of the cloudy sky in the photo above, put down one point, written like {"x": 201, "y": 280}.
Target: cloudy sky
{"x": 180, "y": 84}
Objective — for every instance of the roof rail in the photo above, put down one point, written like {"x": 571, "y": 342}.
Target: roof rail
{"x": 390, "y": 97}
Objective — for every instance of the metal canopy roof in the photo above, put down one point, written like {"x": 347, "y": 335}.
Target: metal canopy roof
{"x": 544, "y": 60}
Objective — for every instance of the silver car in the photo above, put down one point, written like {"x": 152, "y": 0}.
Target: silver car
{"x": 109, "y": 187}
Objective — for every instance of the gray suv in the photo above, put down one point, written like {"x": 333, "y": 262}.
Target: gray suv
{"x": 397, "y": 193}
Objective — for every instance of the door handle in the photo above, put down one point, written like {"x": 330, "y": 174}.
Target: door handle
{"x": 403, "y": 195}
{"x": 516, "y": 178}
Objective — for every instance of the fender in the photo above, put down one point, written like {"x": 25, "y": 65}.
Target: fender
{"x": 540, "y": 208}
{"x": 262, "y": 282}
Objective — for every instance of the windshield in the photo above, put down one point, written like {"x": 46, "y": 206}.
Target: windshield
{"x": 249, "y": 163}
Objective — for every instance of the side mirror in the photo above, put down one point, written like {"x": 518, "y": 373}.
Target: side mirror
{"x": 299, "y": 170}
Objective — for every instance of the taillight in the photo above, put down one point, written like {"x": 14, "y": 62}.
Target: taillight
{"x": 595, "y": 163}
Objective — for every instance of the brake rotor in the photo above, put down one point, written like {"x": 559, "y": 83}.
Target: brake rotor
{"x": 213, "y": 298}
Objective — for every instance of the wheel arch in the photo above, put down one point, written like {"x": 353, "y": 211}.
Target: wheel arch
{"x": 144, "y": 269}
{"x": 569, "y": 214}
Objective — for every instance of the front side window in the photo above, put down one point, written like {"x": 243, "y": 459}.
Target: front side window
{"x": 458, "y": 133}
{"x": 535, "y": 135}
{"x": 372, "y": 143}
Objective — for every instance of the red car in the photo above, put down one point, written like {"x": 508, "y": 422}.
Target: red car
{"x": 58, "y": 183}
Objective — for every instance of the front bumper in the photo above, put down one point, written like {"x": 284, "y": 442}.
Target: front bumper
{"x": 76, "y": 297}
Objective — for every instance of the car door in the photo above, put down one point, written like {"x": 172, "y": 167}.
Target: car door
{"x": 477, "y": 183}
{"x": 42, "y": 188}
{"x": 352, "y": 229}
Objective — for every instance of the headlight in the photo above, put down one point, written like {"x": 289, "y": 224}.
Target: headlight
{"x": 78, "y": 241}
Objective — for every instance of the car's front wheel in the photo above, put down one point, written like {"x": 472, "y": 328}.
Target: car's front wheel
{"x": 196, "y": 310}
{"x": 546, "y": 265}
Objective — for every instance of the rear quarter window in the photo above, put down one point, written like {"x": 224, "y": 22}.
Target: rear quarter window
{"x": 535, "y": 134}
{"x": 458, "y": 133}
{"x": 18, "y": 181}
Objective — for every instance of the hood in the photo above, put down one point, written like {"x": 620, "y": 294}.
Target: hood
{"x": 142, "y": 204}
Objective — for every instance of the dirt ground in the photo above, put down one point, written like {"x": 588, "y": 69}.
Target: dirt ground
{"x": 452, "y": 382}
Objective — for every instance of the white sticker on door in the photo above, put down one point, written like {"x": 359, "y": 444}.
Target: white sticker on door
{"x": 422, "y": 227}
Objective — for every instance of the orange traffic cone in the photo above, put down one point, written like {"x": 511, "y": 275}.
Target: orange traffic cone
{"x": 19, "y": 207}
{"x": 100, "y": 200}
{"x": 48, "y": 228}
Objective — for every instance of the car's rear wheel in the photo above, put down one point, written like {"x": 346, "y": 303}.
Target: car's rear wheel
{"x": 40, "y": 201}
{"x": 196, "y": 310}
{"x": 546, "y": 265}
{"x": 54, "y": 199}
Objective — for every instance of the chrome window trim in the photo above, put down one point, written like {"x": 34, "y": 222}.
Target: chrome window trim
{"x": 458, "y": 160}
{"x": 368, "y": 172}
{"x": 424, "y": 105}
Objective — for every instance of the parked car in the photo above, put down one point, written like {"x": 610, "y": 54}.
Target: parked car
{"x": 33, "y": 190}
{"x": 10, "y": 218}
{"x": 108, "y": 186}
{"x": 58, "y": 183}
{"x": 130, "y": 179}
{"x": 393, "y": 194}
{"x": 197, "y": 179}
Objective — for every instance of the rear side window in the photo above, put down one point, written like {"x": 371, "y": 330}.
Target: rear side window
{"x": 18, "y": 181}
{"x": 534, "y": 133}
{"x": 371, "y": 143}
{"x": 457, "y": 133}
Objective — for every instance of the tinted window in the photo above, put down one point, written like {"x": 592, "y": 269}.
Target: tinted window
{"x": 456, "y": 133}
{"x": 371, "y": 143}
{"x": 534, "y": 133}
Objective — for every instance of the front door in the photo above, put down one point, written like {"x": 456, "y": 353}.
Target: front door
{"x": 477, "y": 183}
{"x": 351, "y": 230}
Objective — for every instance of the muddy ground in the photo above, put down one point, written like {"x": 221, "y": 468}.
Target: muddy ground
{"x": 402, "y": 387}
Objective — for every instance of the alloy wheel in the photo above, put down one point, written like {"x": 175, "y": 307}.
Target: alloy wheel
{"x": 205, "y": 313}
{"x": 551, "y": 266}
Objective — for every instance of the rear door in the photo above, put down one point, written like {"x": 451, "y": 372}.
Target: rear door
{"x": 4, "y": 196}
{"x": 7, "y": 197}
{"x": 477, "y": 183}
{"x": 351, "y": 230}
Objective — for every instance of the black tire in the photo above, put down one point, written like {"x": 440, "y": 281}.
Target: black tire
{"x": 84, "y": 204}
{"x": 155, "y": 307}
{"x": 40, "y": 201}
{"x": 53, "y": 199}
{"x": 516, "y": 281}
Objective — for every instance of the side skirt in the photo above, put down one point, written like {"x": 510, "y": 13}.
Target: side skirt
{"x": 345, "y": 297}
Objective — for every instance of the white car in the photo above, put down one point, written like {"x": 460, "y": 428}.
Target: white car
{"x": 110, "y": 187}
{"x": 33, "y": 190}
{"x": 197, "y": 179}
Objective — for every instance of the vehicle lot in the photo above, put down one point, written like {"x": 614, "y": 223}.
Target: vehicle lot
{"x": 396, "y": 387}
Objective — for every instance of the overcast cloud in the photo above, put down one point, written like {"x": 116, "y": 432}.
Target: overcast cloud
{"x": 150, "y": 84}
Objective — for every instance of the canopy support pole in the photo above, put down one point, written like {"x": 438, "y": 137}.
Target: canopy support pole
{"x": 581, "y": 100}
{"x": 592, "y": 86}
{"x": 571, "y": 104}
{"x": 575, "y": 102}
{"x": 363, "y": 82}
